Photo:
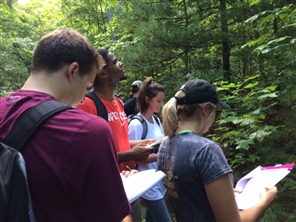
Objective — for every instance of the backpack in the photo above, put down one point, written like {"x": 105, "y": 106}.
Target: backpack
{"x": 101, "y": 109}
{"x": 143, "y": 122}
{"x": 14, "y": 193}
{"x": 102, "y": 112}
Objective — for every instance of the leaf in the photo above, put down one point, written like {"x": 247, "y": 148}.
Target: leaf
{"x": 255, "y": 42}
{"x": 256, "y": 111}
{"x": 245, "y": 144}
{"x": 260, "y": 48}
{"x": 277, "y": 40}
{"x": 247, "y": 121}
{"x": 253, "y": 158}
{"x": 252, "y": 77}
{"x": 253, "y": 18}
{"x": 282, "y": 16}
{"x": 269, "y": 95}
{"x": 266, "y": 50}
{"x": 260, "y": 135}
{"x": 254, "y": 2}
{"x": 251, "y": 85}
{"x": 231, "y": 119}
{"x": 289, "y": 25}
{"x": 270, "y": 88}
{"x": 231, "y": 85}
{"x": 267, "y": 19}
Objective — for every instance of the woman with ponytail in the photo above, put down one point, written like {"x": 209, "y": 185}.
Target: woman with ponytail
{"x": 149, "y": 101}
{"x": 198, "y": 180}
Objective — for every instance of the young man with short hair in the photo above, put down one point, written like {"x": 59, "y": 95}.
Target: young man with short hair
{"x": 104, "y": 86}
{"x": 130, "y": 106}
{"x": 71, "y": 159}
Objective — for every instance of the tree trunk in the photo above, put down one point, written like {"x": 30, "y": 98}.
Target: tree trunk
{"x": 186, "y": 49}
{"x": 102, "y": 15}
{"x": 225, "y": 42}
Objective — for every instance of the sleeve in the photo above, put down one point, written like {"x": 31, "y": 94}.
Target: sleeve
{"x": 97, "y": 174}
{"x": 163, "y": 154}
{"x": 212, "y": 163}
{"x": 88, "y": 106}
{"x": 135, "y": 130}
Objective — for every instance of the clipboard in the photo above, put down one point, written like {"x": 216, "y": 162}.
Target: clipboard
{"x": 256, "y": 181}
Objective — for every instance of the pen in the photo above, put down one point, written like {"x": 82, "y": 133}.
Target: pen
{"x": 128, "y": 168}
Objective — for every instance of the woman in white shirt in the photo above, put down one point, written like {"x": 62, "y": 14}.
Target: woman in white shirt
{"x": 149, "y": 101}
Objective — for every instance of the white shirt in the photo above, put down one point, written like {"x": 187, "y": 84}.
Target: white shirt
{"x": 154, "y": 131}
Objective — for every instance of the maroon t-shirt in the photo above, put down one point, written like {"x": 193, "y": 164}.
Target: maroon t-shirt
{"x": 71, "y": 163}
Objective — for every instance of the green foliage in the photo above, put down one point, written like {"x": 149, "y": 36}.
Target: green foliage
{"x": 248, "y": 137}
{"x": 240, "y": 129}
{"x": 20, "y": 28}
{"x": 174, "y": 41}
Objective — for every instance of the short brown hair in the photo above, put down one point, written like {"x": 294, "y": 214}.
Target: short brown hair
{"x": 62, "y": 47}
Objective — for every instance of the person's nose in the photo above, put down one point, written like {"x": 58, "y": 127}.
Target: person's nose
{"x": 120, "y": 64}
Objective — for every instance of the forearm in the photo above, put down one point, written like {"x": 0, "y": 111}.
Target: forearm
{"x": 150, "y": 159}
{"x": 134, "y": 142}
{"x": 138, "y": 153}
{"x": 254, "y": 213}
{"x": 146, "y": 142}
{"x": 128, "y": 218}
{"x": 124, "y": 156}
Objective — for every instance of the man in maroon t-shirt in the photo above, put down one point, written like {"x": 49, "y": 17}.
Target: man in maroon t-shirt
{"x": 71, "y": 160}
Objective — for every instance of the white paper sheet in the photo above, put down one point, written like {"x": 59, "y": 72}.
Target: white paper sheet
{"x": 255, "y": 182}
{"x": 138, "y": 184}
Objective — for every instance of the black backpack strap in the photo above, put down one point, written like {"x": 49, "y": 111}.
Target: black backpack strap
{"x": 156, "y": 119}
{"x": 101, "y": 109}
{"x": 142, "y": 121}
{"x": 31, "y": 120}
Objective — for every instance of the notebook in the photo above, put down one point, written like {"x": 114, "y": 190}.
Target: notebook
{"x": 256, "y": 181}
{"x": 138, "y": 184}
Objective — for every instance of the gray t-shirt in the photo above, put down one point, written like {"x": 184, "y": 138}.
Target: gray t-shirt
{"x": 189, "y": 162}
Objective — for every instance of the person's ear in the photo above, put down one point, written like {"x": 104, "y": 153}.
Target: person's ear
{"x": 103, "y": 73}
{"x": 72, "y": 69}
{"x": 209, "y": 110}
{"x": 205, "y": 111}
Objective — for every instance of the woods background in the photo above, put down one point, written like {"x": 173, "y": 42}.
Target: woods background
{"x": 245, "y": 48}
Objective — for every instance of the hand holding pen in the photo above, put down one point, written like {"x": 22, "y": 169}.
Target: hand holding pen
{"x": 129, "y": 171}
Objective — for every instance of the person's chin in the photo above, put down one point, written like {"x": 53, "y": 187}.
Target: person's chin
{"x": 123, "y": 78}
